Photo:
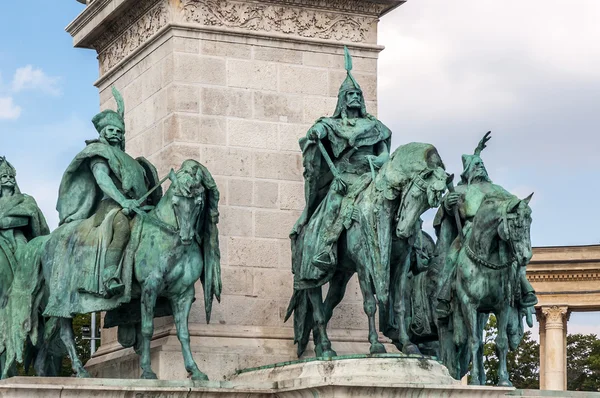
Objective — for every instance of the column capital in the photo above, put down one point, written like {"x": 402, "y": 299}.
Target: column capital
{"x": 554, "y": 315}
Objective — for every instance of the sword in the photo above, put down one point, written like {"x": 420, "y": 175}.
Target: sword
{"x": 336, "y": 174}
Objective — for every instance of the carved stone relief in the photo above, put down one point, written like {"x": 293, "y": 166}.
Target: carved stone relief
{"x": 278, "y": 19}
{"x": 133, "y": 37}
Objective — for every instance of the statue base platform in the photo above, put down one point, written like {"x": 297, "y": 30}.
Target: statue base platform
{"x": 387, "y": 375}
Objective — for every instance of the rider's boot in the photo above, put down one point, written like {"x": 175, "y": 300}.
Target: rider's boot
{"x": 325, "y": 259}
{"x": 528, "y": 298}
{"x": 112, "y": 283}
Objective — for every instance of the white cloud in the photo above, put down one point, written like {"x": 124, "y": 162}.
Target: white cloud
{"x": 30, "y": 78}
{"x": 8, "y": 109}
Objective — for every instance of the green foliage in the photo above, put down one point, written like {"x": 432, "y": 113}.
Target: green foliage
{"x": 583, "y": 362}
{"x": 522, "y": 364}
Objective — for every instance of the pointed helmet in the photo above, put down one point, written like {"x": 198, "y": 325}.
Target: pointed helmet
{"x": 349, "y": 84}
{"x": 7, "y": 168}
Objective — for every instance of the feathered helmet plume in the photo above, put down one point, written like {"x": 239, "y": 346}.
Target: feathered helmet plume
{"x": 110, "y": 117}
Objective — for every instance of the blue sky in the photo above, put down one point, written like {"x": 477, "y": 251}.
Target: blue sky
{"x": 528, "y": 71}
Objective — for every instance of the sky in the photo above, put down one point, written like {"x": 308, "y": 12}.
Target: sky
{"x": 529, "y": 71}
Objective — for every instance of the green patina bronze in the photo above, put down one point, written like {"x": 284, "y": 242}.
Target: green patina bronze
{"x": 358, "y": 198}
{"x": 20, "y": 221}
{"x": 483, "y": 249}
{"x": 121, "y": 247}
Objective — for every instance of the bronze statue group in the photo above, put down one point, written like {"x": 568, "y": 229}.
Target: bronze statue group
{"x": 125, "y": 248}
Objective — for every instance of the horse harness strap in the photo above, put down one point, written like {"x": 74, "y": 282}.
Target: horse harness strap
{"x": 488, "y": 264}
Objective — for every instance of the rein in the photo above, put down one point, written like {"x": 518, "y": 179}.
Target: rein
{"x": 157, "y": 222}
{"x": 486, "y": 263}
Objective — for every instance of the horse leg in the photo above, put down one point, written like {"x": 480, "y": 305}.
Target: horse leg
{"x": 149, "y": 294}
{"x": 336, "y": 292}
{"x": 68, "y": 339}
{"x": 400, "y": 310}
{"x": 470, "y": 318}
{"x": 502, "y": 347}
{"x": 322, "y": 342}
{"x": 481, "y": 322}
{"x": 181, "y": 312}
{"x": 370, "y": 307}
{"x": 47, "y": 336}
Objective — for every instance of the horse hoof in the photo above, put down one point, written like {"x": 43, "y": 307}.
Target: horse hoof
{"x": 411, "y": 349}
{"x": 84, "y": 374}
{"x": 199, "y": 376}
{"x": 377, "y": 348}
{"x": 149, "y": 375}
{"x": 329, "y": 354}
{"x": 504, "y": 383}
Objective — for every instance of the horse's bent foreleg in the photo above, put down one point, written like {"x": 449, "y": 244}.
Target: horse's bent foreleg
{"x": 149, "y": 293}
{"x": 502, "y": 347}
{"x": 181, "y": 312}
{"x": 322, "y": 342}
{"x": 68, "y": 339}
{"x": 370, "y": 307}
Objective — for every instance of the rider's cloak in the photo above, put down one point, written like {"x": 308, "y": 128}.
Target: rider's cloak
{"x": 16, "y": 306}
{"x": 317, "y": 182}
{"x": 77, "y": 249}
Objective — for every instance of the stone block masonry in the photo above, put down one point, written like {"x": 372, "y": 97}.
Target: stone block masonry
{"x": 233, "y": 84}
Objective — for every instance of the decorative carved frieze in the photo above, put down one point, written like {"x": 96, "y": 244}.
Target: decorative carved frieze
{"x": 364, "y": 7}
{"x": 563, "y": 276}
{"x": 142, "y": 23}
{"x": 261, "y": 17}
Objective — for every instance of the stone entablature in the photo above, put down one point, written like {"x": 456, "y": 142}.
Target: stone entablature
{"x": 352, "y": 22}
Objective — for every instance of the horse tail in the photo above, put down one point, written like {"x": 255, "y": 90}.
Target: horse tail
{"x": 303, "y": 318}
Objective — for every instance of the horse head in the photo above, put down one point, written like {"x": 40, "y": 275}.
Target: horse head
{"x": 514, "y": 228}
{"x": 414, "y": 175}
{"x": 188, "y": 199}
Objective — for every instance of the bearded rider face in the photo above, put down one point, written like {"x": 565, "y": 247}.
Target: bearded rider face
{"x": 354, "y": 99}
{"x": 114, "y": 136}
{"x": 478, "y": 171}
{"x": 7, "y": 182}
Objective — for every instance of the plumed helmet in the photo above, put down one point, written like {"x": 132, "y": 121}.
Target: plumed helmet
{"x": 110, "y": 117}
{"x": 349, "y": 84}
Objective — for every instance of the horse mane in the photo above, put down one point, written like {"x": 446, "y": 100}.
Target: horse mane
{"x": 406, "y": 162}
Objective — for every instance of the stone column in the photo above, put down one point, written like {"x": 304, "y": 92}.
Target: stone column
{"x": 553, "y": 347}
{"x": 233, "y": 84}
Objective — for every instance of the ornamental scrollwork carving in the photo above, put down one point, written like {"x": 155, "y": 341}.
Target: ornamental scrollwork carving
{"x": 555, "y": 314}
{"x": 134, "y": 36}
{"x": 278, "y": 19}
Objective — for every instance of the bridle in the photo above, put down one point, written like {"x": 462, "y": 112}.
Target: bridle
{"x": 490, "y": 264}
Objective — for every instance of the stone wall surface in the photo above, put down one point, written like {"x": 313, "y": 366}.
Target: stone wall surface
{"x": 234, "y": 84}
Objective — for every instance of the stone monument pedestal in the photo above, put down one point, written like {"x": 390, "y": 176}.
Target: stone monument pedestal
{"x": 378, "y": 376}
{"x": 233, "y": 84}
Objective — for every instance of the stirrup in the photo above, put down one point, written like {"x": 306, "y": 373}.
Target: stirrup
{"x": 114, "y": 288}
{"x": 324, "y": 260}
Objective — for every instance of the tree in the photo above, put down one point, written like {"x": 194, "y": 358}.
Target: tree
{"x": 583, "y": 362}
{"x": 522, "y": 363}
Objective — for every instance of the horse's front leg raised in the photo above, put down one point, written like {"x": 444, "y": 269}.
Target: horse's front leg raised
{"x": 68, "y": 339}
{"x": 321, "y": 340}
{"x": 149, "y": 294}
{"x": 370, "y": 307}
{"x": 502, "y": 346}
{"x": 181, "y": 311}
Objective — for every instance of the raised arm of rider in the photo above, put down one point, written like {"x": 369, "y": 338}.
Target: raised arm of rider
{"x": 13, "y": 222}
{"x": 101, "y": 172}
